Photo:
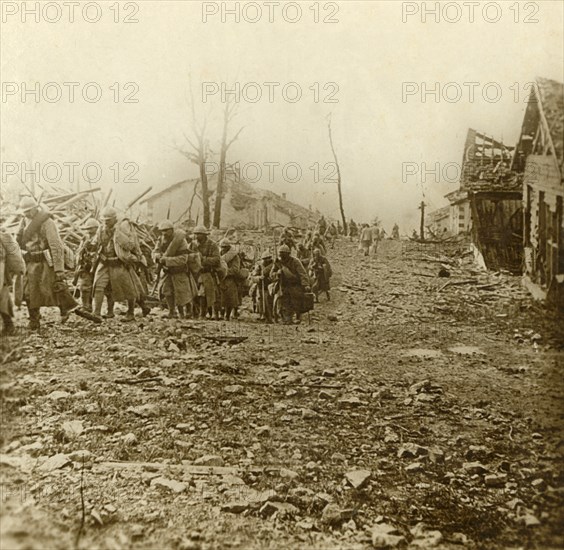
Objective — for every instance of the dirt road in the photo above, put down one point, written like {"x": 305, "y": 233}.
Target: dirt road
{"x": 403, "y": 412}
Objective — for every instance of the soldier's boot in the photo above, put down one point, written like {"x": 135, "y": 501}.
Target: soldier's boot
{"x": 145, "y": 309}
{"x": 98, "y": 300}
{"x": 130, "y": 315}
{"x": 9, "y": 328}
{"x": 110, "y": 314}
{"x": 171, "y": 307}
{"x": 34, "y": 319}
{"x": 87, "y": 300}
{"x": 328, "y": 296}
{"x": 181, "y": 313}
{"x": 227, "y": 313}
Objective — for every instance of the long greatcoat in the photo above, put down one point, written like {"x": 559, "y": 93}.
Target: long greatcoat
{"x": 177, "y": 280}
{"x": 40, "y": 236}
{"x": 230, "y": 284}
{"x": 120, "y": 246}
{"x": 11, "y": 264}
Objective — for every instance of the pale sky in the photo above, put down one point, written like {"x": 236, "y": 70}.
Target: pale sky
{"x": 365, "y": 58}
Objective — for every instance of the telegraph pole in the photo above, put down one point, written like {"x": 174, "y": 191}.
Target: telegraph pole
{"x": 422, "y": 227}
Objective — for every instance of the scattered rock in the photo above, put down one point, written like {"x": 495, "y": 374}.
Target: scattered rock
{"x": 357, "y": 478}
{"x": 474, "y": 468}
{"x": 55, "y": 462}
{"x": 209, "y": 460}
{"x": 72, "y": 428}
{"x": 352, "y": 401}
{"x": 129, "y": 439}
{"x": 57, "y": 394}
{"x": 235, "y": 389}
{"x": 145, "y": 411}
{"x": 279, "y": 508}
{"x": 414, "y": 467}
{"x": 495, "y": 480}
{"x": 411, "y": 450}
{"x": 386, "y": 536}
{"x": 174, "y": 486}
{"x": 235, "y": 507}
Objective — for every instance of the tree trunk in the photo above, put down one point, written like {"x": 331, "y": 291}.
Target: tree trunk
{"x": 341, "y": 208}
{"x": 221, "y": 173}
{"x": 205, "y": 194}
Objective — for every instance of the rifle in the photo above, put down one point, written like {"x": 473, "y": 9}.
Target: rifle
{"x": 157, "y": 280}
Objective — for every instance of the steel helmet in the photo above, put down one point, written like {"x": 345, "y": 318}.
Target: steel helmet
{"x": 284, "y": 248}
{"x": 266, "y": 255}
{"x": 164, "y": 225}
{"x": 27, "y": 203}
{"x": 201, "y": 230}
{"x": 109, "y": 213}
{"x": 91, "y": 223}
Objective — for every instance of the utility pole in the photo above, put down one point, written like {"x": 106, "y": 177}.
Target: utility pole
{"x": 422, "y": 227}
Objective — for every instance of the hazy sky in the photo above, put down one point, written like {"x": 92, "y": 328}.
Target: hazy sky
{"x": 363, "y": 59}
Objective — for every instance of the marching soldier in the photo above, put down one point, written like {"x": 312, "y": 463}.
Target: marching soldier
{"x": 262, "y": 278}
{"x": 293, "y": 283}
{"x": 321, "y": 272}
{"x": 229, "y": 286}
{"x": 11, "y": 264}
{"x": 171, "y": 255}
{"x": 208, "y": 282}
{"x": 115, "y": 276}
{"x": 86, "y": 254}
{"x": 44, "y": 283}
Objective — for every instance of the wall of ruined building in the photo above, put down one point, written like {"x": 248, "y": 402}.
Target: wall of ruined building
{"x": 542, "y": 175}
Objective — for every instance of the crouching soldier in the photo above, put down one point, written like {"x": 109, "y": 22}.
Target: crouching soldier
{"x": 293, "y": 283}
{"x": 44, "y": 255}
{"x": 177, "y": 285}
{"x": 11, "y": 265}
{"x": 118, "y": 253}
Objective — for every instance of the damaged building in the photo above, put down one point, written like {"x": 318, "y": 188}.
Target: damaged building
{"x": 490, "y": 194}
{"x": 539, "y": 158}
{"x": 243, "y": 205}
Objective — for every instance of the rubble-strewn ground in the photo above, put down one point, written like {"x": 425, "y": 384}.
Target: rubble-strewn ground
{"x": 403, "y": 412}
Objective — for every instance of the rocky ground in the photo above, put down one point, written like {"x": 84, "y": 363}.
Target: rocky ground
{"x": 410, "y": 411}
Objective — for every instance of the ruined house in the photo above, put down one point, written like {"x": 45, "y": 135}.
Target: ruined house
{"x": 494, "y": 194}
{"x": 459, "y": 216}
{"x": 539, "y": 158}
{"x": 438, "y": 222}
{"x": 243, "y": 205}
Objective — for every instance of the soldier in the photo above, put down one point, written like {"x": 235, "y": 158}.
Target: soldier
{"x": 293, "y": 283}
{"x": 86, "y": 254}
{"x": 115, "y": 276}
{"x": 287, "y": 238}
{"x": 171, "y": 254}
{"x": 353, "y": 229}
{"x": 318, "y": 242}
{"x": 395, "y": 232}
{"x": 229, "y": 285}
{"x": 208, "y": 281}
{"x": 11, "y": 264}
{"x": 262, "y": 277}
{"x": 366, "y": 236}
{"x": 321, "y": 272}
{"x": 44, "y": 255}
{"x": 322, "y": 225}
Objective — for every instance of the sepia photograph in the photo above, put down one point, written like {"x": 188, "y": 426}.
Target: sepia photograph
{"x": 281, "y": 275}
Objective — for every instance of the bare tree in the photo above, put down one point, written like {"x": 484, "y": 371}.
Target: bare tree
{"x": 198, "y": 153}
{"x": 338, "y": 175}
{"x": 229, "y": 113}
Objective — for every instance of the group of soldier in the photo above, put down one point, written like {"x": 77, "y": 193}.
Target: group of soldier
{"x": 194, "y": 275}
